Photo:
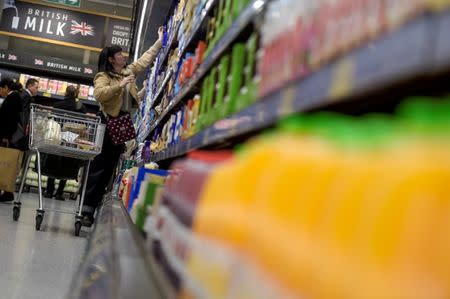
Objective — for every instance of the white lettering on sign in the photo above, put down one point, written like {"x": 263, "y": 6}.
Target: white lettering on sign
{"x": 57, "y": 65}
{"x": 30, "y": 24}
{"x": 120, "y": 33}
{"x": 120, "y": 27}
{"x": 49, "y": 25}
{"x": 120, "y": 41}
{"x": 74, "y": 69}
{"x": 59, "y": 29}
{"x": 48, "y": 14}
{"x": 42, "y": 25}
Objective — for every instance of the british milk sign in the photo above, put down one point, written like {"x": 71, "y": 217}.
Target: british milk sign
{"x": 34, "y": 20}
{"x": 50, "y": 64}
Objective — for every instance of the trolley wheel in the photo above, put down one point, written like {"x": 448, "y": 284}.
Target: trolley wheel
{"x": 16, "y": 213}
{"x": 39, "y": 218}
{"x": 77, "y": 228}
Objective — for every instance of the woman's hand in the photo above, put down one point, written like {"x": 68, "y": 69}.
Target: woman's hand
{"x": 161, "y": 34}
{"x": 127, "y": 80}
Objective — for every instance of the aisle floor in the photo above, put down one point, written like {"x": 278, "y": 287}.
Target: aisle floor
{"x": 38, "y": 264}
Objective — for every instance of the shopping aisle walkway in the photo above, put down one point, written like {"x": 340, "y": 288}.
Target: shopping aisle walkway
{"x": 38, "y": 264}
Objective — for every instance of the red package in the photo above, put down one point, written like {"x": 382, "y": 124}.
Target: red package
{"x": 200, "y": 53}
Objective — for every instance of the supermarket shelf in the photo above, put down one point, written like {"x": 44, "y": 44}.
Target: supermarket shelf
{"x": 52, "y": 96}
{"x": 412, "y": 51}
{"x": 115, "y": 264}
{"x": 170, "y": 45}
{"x": 205, "y": 12}
{"x": 244, "y": 19}
{"x": 161, "y": 89}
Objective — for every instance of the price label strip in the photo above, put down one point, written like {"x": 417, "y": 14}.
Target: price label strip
{"x": 261, "y": 116}
{"x": 287, "y": 101}
{"x": 342, "y": 80}
{"x": 205, "y": 139}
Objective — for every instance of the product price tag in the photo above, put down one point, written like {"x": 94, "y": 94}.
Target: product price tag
{"x": 233, "y": 131}
{"x": 261, "y": 116}
{"x": 342, "y": 80}
{"x": 47, "y": 94}
{"x": 287, "y": 101}
{"x": 205, "y": 139}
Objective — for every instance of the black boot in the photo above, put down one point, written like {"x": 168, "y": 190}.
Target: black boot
{"x": 88, "y": 220}
{"x": 48, "y": 194}
{"x": 50, "y": 188}
{"x": 60, "y": 191}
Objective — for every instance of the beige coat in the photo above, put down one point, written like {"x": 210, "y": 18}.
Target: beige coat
{"x": 107, "y": 85}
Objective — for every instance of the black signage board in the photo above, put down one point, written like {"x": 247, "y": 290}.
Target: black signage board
{"x": 51, "y": 23}
{"x": 5, "y": 73}
{"x": 118, "y": 34}
{"x": 49, "y": 64}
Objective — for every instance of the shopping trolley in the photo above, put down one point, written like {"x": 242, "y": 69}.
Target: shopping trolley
{"x": 62, "y": 133}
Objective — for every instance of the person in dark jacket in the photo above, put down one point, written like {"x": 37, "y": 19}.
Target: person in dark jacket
{"x": 70, "y": 103}
{"x": 9, "y": 118}
{"x": 30, "y": 91}
{"x": 28, "y": 94}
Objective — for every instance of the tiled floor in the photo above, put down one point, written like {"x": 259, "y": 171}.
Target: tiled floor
{"x": 38, "y": 264}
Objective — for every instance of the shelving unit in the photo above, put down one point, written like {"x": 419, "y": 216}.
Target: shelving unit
{"x": 161, "y": 89}
{"x": 170, "y": 45}
{"x": 397, "y": 57}
{"x": 250, "y": 13}
{"x": 401, "y": 55}
{"x": 205, "y": 12}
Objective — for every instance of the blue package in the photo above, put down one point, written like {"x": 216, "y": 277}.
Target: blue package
{"x": 137, "y": 182}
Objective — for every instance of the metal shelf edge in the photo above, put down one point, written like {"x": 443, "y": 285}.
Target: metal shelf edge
{"x": 163, "y": 86}
{"x": 316, "y": 90}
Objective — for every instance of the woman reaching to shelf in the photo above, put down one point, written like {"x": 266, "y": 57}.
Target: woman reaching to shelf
{"x": 116, "y": 91}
